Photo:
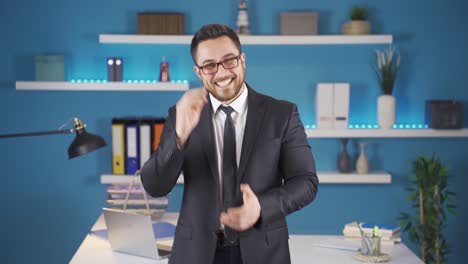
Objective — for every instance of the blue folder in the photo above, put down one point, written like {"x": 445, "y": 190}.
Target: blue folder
{"x": 132, "y": 148}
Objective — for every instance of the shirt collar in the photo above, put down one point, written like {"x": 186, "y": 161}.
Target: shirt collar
{"x": 239, "y": 105}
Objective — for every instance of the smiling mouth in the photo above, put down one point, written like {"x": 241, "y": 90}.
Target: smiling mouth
{"x": 225, "y": 82}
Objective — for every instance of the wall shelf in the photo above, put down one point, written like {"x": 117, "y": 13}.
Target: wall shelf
{"x": 386, "y": 133}
{"x": 126, "y": 179}
{"x": 332, "y": 177}
{"x": 102, "y": 86}
{"x": 251, "y": 40}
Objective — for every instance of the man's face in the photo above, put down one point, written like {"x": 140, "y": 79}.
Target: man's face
{"x": 225, "y": 84}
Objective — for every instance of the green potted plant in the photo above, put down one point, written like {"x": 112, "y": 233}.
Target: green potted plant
{"x": 358, "y": 24}
{"x": 387, "y": 66}
{"x": 431, "y": 201}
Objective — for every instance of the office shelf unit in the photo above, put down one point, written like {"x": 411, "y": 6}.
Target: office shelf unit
{"x": 324, "y": 177}
{"x": 375, "y": 177}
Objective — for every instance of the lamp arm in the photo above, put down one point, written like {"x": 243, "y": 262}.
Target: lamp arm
{"x": 43, "y": 133}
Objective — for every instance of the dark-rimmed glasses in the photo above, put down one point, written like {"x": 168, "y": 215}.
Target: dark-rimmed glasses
{"x": 229, "y": 63}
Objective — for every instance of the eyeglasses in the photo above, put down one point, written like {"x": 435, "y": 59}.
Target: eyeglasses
{"x": 229, "y": 63}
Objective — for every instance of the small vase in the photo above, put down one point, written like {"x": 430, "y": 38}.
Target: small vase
{"x": 362, "y": 164}
{"x": 344, "y": 161}
{"x": 386, "y": 105}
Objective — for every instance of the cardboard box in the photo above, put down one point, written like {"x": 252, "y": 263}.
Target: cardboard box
{"x": 50, "y": 68}
{"x": 299, "y": 23}
{"x": 161, "y": 23}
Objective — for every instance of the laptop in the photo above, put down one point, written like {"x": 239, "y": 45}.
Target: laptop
{"x": 133, "y": 234}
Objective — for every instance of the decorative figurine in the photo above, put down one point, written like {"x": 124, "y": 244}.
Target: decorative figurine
{"x": 243, "y": 19}
{"x": 110, "y": 70}
{"x": 164, "y": 70}
{"x": 114, "y": 69}
{"x": 118, "y": 69}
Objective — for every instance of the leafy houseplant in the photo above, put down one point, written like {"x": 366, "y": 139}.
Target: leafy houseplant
{"x": 358, "y": 13}
{"x": 386, "y": 68}
{"x": 358, "y": 24}
{"x": 432, "y": 200}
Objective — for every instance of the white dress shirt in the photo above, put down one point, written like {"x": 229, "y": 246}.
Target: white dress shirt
{"x": 239, "y": 116}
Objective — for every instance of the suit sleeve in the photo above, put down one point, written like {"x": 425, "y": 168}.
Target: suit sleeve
{"x": 160, "y": 173}
{"x": 297, "y": 166}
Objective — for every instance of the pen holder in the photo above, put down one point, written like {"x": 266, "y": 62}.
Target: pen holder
{"x": 370, "y": 246}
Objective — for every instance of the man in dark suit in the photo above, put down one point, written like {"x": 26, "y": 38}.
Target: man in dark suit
{"x": 245, "y": 159}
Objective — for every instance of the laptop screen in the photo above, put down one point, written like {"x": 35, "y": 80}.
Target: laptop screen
{"x": 134, "y": 234}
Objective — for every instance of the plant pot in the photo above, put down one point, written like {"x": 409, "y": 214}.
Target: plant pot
{"x": 356, "y": 27}
{"x": 386, "y": 105}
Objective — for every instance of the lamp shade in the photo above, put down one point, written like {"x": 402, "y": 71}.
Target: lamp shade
{"x": 83, "y": 143}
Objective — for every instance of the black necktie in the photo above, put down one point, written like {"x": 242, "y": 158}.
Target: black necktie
{"x": 229, "y": 169}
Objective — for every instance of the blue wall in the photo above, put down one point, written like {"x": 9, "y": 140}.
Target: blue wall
{"x": 49, "y": 203}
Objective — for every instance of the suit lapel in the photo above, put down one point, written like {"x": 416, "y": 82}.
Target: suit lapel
{"x": 255, "y": 114}
{"x": 207, "y": 137}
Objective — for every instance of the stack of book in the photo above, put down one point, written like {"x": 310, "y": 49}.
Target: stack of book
{"x": 136, "y": 202}
{"x": 389, "y": 233}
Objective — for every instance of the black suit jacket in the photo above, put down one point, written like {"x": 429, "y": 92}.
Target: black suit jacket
{"x": 276, "y": 162}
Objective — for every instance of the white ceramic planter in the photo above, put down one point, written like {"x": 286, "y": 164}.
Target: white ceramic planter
{"x": 386, "y": 105}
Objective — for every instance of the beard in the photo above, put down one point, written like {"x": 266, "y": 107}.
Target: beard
{"x": 225, "y": 89}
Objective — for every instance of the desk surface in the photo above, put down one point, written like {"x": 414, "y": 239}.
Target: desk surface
{"x": 304, "y": 248}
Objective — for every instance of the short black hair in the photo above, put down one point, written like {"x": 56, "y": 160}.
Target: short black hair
{"x": 213, "y": 31}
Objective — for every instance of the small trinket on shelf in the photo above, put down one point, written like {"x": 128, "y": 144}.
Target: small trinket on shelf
{"x": 164, "y": 70}
{"x": 243, "y": 19}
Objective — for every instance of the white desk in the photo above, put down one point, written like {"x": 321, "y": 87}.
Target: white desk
{"x": 305, "y": 249}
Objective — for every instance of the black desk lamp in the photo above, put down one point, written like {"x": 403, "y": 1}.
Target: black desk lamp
{"x": 84, "y": 142}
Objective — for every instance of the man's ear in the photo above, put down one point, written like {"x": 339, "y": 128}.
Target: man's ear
{"x": 197, "y": 71}
{"x": 243, "y": 59}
